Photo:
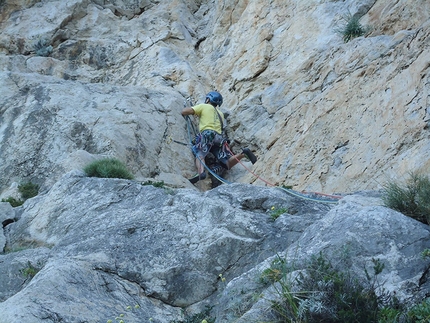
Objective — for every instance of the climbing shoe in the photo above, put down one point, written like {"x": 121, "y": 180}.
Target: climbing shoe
{"x": 197, "y": 177}
{"x": 248, "y": 153}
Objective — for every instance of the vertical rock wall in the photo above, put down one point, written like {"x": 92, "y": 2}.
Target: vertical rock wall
{"x": 321, "y": 114}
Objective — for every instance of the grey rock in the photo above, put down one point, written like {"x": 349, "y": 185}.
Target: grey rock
{"x": 170, "y": 244}
{"x": 357, "y": 230}
{"x": 7, "y": 216}
{"x": 321, "y": 115}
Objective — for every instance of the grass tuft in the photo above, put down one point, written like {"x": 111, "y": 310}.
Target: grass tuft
{"x": 411, "y": 198}
{"x": 27, "y": 190}
{"x": 108, "y": 168}
{"x": 13, "y": 201}
{"x": 352, "y": 28}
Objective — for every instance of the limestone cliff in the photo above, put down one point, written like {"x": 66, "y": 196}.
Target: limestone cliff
{"x": 82, "y": 79}
{"x": 110, "y": 78}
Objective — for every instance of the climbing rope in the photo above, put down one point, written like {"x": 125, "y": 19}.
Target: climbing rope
{"x": 190, "y": 127}
{"x": 304, "y": 195}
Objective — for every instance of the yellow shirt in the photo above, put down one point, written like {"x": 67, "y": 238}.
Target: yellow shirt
{"x": 209, "y": 119}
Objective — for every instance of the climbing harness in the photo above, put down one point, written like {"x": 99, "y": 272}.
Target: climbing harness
{"x": 327, "y": 198}
{"x": 190, "y": 127}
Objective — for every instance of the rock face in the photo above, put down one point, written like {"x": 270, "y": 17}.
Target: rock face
{"x": 151, "y": 245}
{"x": 90, "y": 248}
{"x": 86, "y": 79}
{"x": 357, "y": 218}
{"x": 110, "y": 78}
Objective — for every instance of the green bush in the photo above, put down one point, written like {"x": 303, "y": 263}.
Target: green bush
{"x": 352, "y": 28}
{"x": 323, "y": 292}
{"x": 411, "y": 198}
{"x": 108, "y": 168}
{"x": 420, "y": 313}
{"x": 12, "y": 201}
{"x": 390, "y": 315}
{"x": 28, "y": 190}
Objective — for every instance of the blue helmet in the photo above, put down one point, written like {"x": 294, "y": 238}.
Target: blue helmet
{"x": 214, "y": 97}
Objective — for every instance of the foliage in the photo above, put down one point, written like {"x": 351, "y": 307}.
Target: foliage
{"x": 155, "y": 184}
{"x": 323, "y": 292}
{"x": 389, "y": 315}
{"x": 122, "y": 317}
{"x": 43, "y": 48}
{"x": 30, "y": 271}
{"x": 411, "y": 198}
{"x": 340, "y": 296}
{"x": 27, "y": 190}
{"x": 288, "y": 187}
{"x": 276, "y": 213}
{"x": 198, "y": 318}
{"x": 108, "y": 168}
{"x": 277, "y": 270}
{"x": 425, "y": 253}
{"x": 420, "y": 313}
{"x": 13, "y": 201}
{"x": 352, "y": 28}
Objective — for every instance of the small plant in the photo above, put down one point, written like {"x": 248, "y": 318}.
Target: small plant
{"x": 425, "y": 253}
{"x": 276, "y": 213}
{"x": 203, "y": 317}
{"x": 108, "y": 168}
{"x": 288, "y": 187}
{"x": 12, "y": 201}
{"x": 420, "y": 313}
{"x": 155, "y": 184}
{"x": 30, "y": 271}
{"x": 340, "y": 296}
{"x": 412, "y": 198}
{"x": 43, "y": 48}
{"x": 389, "y": 315}
{"x": 277, "y": 270}
{"x": 352, "y": 28}
{"x": 28, "y": 190}
{"x": 222, "y": 278}
{"x": 120, "y": 318}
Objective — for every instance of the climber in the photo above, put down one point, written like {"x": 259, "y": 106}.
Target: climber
{"x": 211, "y": 138}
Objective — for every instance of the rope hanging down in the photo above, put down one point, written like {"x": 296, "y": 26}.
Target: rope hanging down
{"x": 334, "y": 198}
